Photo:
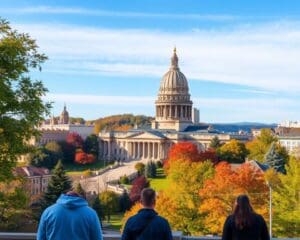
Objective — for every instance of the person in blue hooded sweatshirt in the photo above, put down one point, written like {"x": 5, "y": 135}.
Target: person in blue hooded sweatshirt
{"x": 146, "y": 224}
{"x": 69, "y": 218}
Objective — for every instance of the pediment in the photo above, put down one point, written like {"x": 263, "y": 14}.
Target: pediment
{"x": 147, "y": 135}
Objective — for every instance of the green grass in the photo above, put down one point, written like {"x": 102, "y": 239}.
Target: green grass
{"x": 74, "y": 169}
{"x": 160, "y": 182}
{"x": 115, "y": 221}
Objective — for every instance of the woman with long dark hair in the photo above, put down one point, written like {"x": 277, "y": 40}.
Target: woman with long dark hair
{"x": 244, "y": 223}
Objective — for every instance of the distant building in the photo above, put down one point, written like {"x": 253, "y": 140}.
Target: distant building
{"x": 290, "y": 124}
{"x": 289, "y": 137}
{"x": 59, "y": 130}
{"x": 255, "y": 132}
{"x": 37, "y": 179}
{"x": 175, "y": 121}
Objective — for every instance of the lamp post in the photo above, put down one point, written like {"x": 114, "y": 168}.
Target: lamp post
{"x": 270, "y": 208}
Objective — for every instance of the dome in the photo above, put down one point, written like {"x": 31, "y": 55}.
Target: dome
{"x": 174, "y": 81}
{"x": 64, "y": 116}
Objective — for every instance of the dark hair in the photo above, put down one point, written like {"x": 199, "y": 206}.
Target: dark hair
{"x": 243, "y": 212}
{"x": 148, "y": 197}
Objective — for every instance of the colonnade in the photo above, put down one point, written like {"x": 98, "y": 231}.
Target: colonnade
{"x": 132, "y": 150}
{"x": 174, "y": 111}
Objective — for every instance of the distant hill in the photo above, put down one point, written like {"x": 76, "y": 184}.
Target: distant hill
{"x": 241, "y": 126}
{"x": 121, "y": 122}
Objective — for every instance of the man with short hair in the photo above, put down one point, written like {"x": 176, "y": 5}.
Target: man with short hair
{"x": 146, "y": 224}
{"x": 69, "y": 218}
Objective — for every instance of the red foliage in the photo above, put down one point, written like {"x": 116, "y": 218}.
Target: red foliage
{"x": 75, "y": 140}
{"x": 83, "y": 158}
{"x": 209, "y": 154}
{"x": 138, "y": 185}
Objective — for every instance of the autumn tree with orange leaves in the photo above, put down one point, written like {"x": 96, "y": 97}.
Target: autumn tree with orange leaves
{"x": 219, "y": 193}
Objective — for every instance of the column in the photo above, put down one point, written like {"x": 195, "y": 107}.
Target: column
{"x": 138, "y": 150}
{"x": 170, "y": 111}
{"x": 176, "y": 116}
{"x": 144, "y": 150}
{"x": 109, "y": 150}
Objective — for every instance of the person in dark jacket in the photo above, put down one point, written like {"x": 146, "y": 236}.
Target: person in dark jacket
{"x": 146, "y": 224}
{"x": 69, "y": 218}
{"x": 244, "y": 223}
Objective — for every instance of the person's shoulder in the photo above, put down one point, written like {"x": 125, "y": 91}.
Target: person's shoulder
{"x": 259, "y": 217}
{"x": 161, "y": 220}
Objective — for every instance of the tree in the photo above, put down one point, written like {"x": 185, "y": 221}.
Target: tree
{"x": 98, "y": 208}
{"x": 59, "y": 183}
{"x": 286, "y": 201}
{"x": 110, "y": 202}
{"x": 179, "y": 203}
{"x": 75, "y": 140}
{"x": 138, "y": 185}
{"x": 124, "y": 179}
{"x": 209, "y": 155}
{"x": 47, "y": 156}
{"x": 21, "y": 104}
{"x": 233, "y": 152}
{"x": 84, "y": 158}
{"x": 41, "y": 157}
{"x": 13, "y": 203}
{"x": 140, "y": 167}
{"x": 219, "y": 193}
{"x": 91, "y": 145}
{"x": 183, "y": 151}
{"x": 69, "y": 151}
{"x": 258, "y": 147}
{"x": 274, "y": 160}
{"x": 150, "y": 169}
{"x": 124, "y": 202}
{"x": 79, "y": 189}
{"x": 215, "y": 143}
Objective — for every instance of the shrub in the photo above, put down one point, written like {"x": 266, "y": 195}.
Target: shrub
{"x": 150, "y": 170}
{"x": 124, "y": 179}
{"x": 140, "y": 167}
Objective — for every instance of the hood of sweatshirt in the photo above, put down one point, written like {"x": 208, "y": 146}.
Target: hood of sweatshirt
{"x": 71, "y": 201}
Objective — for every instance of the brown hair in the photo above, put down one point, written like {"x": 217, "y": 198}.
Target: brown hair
{"x": 243, "y": 212}
{"x": 148, "y": 197}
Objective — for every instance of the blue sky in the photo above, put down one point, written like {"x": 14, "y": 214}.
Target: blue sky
{"x": 107, "y": 57}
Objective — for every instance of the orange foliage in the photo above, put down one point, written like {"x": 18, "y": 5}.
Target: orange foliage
{"x": 219, "y": 193}
{"x": 83, "y": 158}
{"x": 183, "y": 151}
{"x": 210, "y": 154}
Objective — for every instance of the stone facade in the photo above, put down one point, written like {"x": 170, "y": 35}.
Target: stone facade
{"x": 173, "y": 123}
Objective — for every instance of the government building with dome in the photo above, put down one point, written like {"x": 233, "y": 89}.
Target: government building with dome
{"x": 175, "y": 121}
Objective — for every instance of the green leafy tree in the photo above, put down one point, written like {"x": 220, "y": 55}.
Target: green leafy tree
{"x": 140, "y": 167}
{"x": 91, "y": 145}
{"x": 274, "y": 160}
{"x": 233, "y": 152}
{"x": 124, "y": 179}
{"x": 21, "y": 104}
{"x": 59, "y": 183}
{"x": 110, "y": 203}
{"x": 215, "y": 143}
{"x": 150, "y": 169}
{"x": 286, "y": 202}
{"x": 13, "y": 204}
{"x": 98, "y": 208}
{"x": 259, "y": 146}
{"x": 124, "y": 202}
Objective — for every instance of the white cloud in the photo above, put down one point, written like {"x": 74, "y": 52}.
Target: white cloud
{"x": 106, "y": 13}
{"x": 263, "y": 56}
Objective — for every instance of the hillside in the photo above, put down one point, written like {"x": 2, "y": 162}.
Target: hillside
{"x": 121, "y": 122}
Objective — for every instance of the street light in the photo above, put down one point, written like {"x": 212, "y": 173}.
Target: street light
{"x": 270, "y": 208}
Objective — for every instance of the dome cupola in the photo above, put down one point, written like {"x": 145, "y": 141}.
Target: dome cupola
{"x": 173, "y": 104}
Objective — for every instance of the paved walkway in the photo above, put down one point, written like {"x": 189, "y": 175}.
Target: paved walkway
{"x": 98, "y": 184}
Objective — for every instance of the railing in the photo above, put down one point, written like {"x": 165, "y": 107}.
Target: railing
{"x": 176, "y": 236}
